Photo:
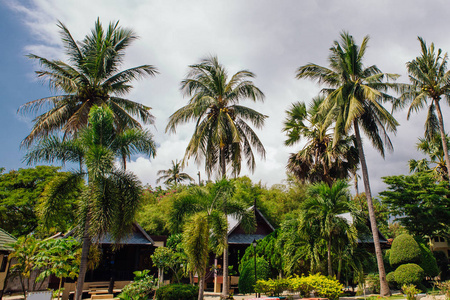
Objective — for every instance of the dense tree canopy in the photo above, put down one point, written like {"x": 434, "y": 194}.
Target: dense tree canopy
{"x": 419, "y": 203}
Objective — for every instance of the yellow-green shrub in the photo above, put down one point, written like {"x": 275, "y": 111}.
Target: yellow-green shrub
{"x": 320, "y": 285}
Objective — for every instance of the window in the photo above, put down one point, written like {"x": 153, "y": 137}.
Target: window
{"x": 442, "y": 240}
{"x": 3, "y": 261}
{"x": 436, "y": 239}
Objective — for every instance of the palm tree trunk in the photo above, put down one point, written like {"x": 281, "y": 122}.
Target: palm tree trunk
{"x": 83, "y": 261}
{"x": 201, "y": 286}
{"x": 330, "y": 270}
{"x": 225, "y": 250}
{"x": 59, "y": 287}
{"x": 384, "y": 288}
{"x": 443, "y": 138}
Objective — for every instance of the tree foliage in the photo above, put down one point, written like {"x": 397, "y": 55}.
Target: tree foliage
{"x": 422, "y": 203}
{"x": 404, "y": 250}
{"x": 247, "y": 275}
{"x": 92, "y": 78}
{"x": 21, "y": 205}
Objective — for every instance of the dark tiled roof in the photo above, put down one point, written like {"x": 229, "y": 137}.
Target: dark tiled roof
{"x": 135, "y": 238}
{"x": 6, "y": 240}
{"x": 246, "y": 239}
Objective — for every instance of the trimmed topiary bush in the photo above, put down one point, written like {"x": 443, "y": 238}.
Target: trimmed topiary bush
{"x": 428, "y": 261}
{"x": 404, "y": 250}
{"x": 177, "y": 292}
{"x": 390, "y": 277}
{"x": 247, "y": 277}
{"x": 409, "y": 274}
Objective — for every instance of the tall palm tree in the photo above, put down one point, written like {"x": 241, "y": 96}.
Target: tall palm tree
{"x": 354, "y": 98}
{"x": 110, "y": 199}
{"x": 323, "y": 208}
{"x": 197, "y": 203}
{"x": 222, "y": 136}
{"x": 320, "y": 159}
{"x": 429, "y": 80}
{"x": 91, "y": 77}
{"x": 173, "y": 175}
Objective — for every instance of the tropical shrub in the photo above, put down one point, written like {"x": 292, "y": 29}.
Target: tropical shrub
{"x": 410, "y": 290}
{"x": 409, "y": 274}
{"x": 247, "y": 277}
{"x": 177, "y": 292}
{"x": 443, "y": 264}
{"x": 404, "y": 250}
{"x": 140, "y": 288}
{"x": 320, "y": 285}
{"x": 272, "y": 287}
{"x": 428, "y": 261}
{"x": 445, "y": 288}
{"x": 373, "y": 283}
{"x": 390, "y": 278}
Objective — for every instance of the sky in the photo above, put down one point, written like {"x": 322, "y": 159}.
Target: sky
{"x": 269, "y": 38}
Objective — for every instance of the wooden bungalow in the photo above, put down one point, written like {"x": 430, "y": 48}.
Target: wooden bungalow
{"x": 5, "y": 248}
{"x": 238, "y": 241}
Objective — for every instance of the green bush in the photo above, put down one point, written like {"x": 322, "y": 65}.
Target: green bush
{"x": 410, "y": 290}
{"x": 428, "y": 261}
{"x": 390, "y": 278}
{"x": 140, "y": 288}
{"x": 247, "y": 277}
{"x": 443, "y": 264}
{"x": 177, "y": 292}
{"x": 322, "y": 286}
{"x": 373, "y": 282}
{"x": 409, "y": 274}
{"x": 404, "y": 250}
{"x": 272, "y": 287}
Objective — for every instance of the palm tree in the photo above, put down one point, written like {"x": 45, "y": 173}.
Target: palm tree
{"x": 221, "y": 133}
{"x": 109, "y": 201}
{"x": 354, "y": 98}
{"x": 92, "y": 77}
{"x": 429, "y": 80}
{"x": 205, "y": 206}
{"x": 222, "y": 136}
{"x": 320, "y": 159}
{"x": 323, "y": 208}
{"x": 433, "y": 148}
{"x": 173, "y": 175}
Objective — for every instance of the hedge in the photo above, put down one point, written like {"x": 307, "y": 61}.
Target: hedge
{"x": 247, "y": 277}
{"x": 177, "y": 292}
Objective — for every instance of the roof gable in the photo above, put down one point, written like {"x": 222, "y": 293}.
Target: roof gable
{"x": 6, "y": 240}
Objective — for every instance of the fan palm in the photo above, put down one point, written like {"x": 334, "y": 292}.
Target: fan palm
{"x": 322, "y": 210}
{"x": 222, "y": 136}
{"x": 354, "y": 98}
{"x": 173, "y": 175}
{"x": 320, "y": 159}
{"x": 109, "y": 201}
{"x": 92, "y": 77}
{"x": 429, "y": 80}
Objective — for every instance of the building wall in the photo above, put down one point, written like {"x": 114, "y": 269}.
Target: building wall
{"x": 4, "y": 265}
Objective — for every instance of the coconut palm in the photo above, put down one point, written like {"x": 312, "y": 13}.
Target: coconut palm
{"x": 436, "y": 163}
{"x": 430, "y": 80}
{"x": 109, "y": 201}
{"x": 173, "y": 175}
{"x": 320, "y": 159}
{"x": 354, "y": 99}
{"x": 91, "y": 77}
{"x": 222, "y": 136}
{"x": 322, "y": 210}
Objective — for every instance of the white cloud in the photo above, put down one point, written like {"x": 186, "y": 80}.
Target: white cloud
{"x": 272, "y": 39}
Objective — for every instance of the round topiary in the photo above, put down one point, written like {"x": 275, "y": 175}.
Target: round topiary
{"x": 408, "y": 274}
{"x": 404, "y": 250}
{"x": 247, "y": 277}
{"x": 390, "y": 278}
{"x": 428, "y": 262}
